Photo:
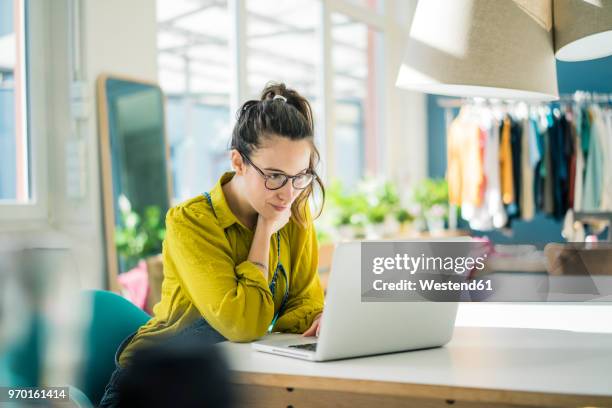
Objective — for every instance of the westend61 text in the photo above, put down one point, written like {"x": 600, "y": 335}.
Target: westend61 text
{"x": 430, "y": 284}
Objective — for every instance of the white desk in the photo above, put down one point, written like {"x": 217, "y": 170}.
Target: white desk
{"x": 480, "y": 367}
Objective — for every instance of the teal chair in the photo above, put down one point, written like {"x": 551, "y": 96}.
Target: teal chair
{"x": 113, "y": 318}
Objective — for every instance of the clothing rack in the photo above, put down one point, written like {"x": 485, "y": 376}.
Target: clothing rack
{"x": 586, "y": 97}
{"x": 578, "y": 97}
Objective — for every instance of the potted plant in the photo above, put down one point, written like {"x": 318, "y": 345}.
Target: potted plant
{"x": 381, "y": 200}
{"x": 138, "y": 236}
{"x": 432, "y": 197}
{"x": 403, "y": 218}
{"x": 376, "y": 217}
{"x": 390, "y": 199}
{"x": 347, "y": 211}
{"x": 436, "y": 217}
{"x": 138, "y": 239}
{"x": 416, "y": 212}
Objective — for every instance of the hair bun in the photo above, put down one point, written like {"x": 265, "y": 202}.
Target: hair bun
{"x": 273, "y": 90}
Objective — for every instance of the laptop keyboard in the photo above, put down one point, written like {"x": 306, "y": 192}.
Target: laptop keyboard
{"x": 308, "y": 346}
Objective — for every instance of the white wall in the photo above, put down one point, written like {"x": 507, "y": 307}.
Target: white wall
{"x": 121, "y": 38}
{"x": 406, "y": 118}
{"x": 117, "y": 37}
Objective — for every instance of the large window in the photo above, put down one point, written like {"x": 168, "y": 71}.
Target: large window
{"x": 14, "y": 166}
{"x": 214, "y": 55}
{"x": 357, "y": 55}
{"x": 283, "y": 46}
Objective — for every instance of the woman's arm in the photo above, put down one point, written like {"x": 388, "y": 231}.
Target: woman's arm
{"x": 234, "y": 299}
{"x": 305, "y": 292}
{"x": 259, "y": 253}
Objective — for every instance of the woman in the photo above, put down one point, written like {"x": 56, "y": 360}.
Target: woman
{"x": 241, "y": 259}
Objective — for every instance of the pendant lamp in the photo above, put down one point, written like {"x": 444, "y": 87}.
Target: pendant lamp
{"x": 481, "y": 48}
{"x": 583, "y": 29}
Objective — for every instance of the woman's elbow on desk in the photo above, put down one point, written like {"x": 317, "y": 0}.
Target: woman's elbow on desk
{"x": 245, "y": 334}
{"x": 244, "y": 327}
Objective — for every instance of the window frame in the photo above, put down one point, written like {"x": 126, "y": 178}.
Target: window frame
{"x": 383, "y": 22}
{"x": 34, "y": 34}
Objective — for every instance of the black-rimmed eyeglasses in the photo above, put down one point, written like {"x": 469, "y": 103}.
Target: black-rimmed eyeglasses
{"x": 275, "y": 181}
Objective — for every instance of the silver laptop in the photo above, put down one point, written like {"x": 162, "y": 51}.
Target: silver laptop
{"x": 352, "y": 328}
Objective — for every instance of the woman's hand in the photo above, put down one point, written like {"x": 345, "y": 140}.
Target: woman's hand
{"x": 271, "y": 225}
{"x": 314, "y": 328}
{"x": 260, "y": 246}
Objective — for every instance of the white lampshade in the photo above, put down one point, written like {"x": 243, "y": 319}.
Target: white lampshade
{"x": 478, "y": 48}
{"x": 583, "y": 29}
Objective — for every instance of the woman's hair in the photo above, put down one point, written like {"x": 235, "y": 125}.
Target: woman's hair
{"x": 288, "y": 115}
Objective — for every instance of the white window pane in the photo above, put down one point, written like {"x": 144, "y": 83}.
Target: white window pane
{"x": 357, "y": 56}
{"x": 171, "y": 9}
{"x": 375, "y": 5}
{"x": 211, "y": 23}
{"x": 283, "y": 46}
{"x": 194, "y": 72}
{"x": 167, "y": 40}
{"x": 14, "y": 166}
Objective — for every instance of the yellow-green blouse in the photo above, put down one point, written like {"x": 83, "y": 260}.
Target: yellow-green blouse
{"x": 206, "y": 273}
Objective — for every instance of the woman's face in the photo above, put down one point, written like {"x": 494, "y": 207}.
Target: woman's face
{"x": 275, "y": 155}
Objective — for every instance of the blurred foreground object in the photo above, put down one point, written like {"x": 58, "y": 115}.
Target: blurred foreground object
{"x": 181, "y": 373}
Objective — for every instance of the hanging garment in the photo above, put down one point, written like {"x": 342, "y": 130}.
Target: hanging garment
{"x": 527, "y": 166}
{"x": 465, "y": 169}
{"x": 606, "y": 194}
{"x": 593, "y": 179}
{"x": 491, "y": 214}
{"x": 559, "y": 151}
{"x": 516, "y": 132}
{"x": 585, "y": 132}
{"x": 579, "y": 171}
{"x": 493, "y": 196}
{"x": 568, "y": 156}
{"x": 539, "y": 170}
{"x": 547, "y": 170}
{"x": 505, "y": 163}
{"x": 572, "y": 158}
{"x": 534, "y": 150}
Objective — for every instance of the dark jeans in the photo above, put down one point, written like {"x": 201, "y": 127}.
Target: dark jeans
{"x": 199, "y": 330}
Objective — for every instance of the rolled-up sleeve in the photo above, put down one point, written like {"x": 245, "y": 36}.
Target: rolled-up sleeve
{"x": 305, "y": 292}
{"x": 233, "y": 298}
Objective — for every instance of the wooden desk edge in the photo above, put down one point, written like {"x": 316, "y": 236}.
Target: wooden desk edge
{"x": 427, "y": 391}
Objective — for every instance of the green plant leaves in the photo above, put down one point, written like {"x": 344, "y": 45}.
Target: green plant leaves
{"x": 138, "y": 236}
